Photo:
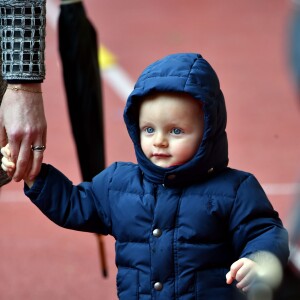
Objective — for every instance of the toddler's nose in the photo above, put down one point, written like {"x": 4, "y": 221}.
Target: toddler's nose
{"x": 160, "y": 140}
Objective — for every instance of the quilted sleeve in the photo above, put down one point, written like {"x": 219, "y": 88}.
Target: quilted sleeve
{"x": 80, "y": 207}
{"x": 255, "y": 225}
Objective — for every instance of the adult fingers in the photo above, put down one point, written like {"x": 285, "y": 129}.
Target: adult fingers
{"x": 7, "y": 166}
{"x": 38, "y": 154}
{"x": 20, "y": 154}
{"x": 36, "y": 164}
{"x": 3, "y": 137}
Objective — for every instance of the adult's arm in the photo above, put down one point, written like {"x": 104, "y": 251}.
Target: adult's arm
{"x": 22, "y": 118}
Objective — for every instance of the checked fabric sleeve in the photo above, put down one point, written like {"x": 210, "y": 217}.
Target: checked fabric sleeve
{"x": 22, "y": 35}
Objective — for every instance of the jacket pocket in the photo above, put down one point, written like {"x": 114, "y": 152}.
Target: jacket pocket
{"x": 127, "y": 283}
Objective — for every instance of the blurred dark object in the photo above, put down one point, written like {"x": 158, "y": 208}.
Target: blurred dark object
{"x": 79, "y": 55}
{"x": 4, "y": 179}
{"x": 290, "y": 287}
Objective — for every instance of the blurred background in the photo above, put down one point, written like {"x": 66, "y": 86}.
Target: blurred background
{"x": 246, "y": 42}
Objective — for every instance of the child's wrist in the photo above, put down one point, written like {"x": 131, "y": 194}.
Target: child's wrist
{"x": 29, "y": 183}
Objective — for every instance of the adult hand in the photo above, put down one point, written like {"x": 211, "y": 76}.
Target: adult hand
{"x": 22, "y": 125}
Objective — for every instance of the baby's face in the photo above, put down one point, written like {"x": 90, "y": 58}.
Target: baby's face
{"x": 171, "y": 128}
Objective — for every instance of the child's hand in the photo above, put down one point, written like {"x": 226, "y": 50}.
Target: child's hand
{"x": 7, "y": 165}
{"x": 244, "y": 271}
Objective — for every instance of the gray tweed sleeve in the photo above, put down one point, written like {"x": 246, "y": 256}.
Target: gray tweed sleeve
{"x": 22, "y": 34}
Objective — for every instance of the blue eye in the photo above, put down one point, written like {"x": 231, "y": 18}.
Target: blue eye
{"x": 176, "y": 131}
{"x": 149, "y": 130}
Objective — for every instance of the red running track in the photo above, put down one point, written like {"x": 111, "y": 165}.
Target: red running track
{"x": 245, "y": 41}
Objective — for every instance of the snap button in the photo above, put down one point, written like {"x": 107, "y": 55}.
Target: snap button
{"x": 157, "y": 232}
{"x": 158, "y": 286}
{"x": 171, "y": 176}
{"x": 210, "y": 170}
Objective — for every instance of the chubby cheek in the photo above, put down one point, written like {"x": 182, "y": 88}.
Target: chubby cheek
{"x": 183, "y": 152}
{"x": 146, "y": 147}
{"x": 181, "y": 155}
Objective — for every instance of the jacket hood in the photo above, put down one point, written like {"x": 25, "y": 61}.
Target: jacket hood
{"x": 184, "y": 73}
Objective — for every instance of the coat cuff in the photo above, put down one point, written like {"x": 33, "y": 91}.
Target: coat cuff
{"x": 38, "y": 185}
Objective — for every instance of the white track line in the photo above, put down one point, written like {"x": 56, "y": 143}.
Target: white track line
{"x": 119, "y": 81}
{"x": 281, "y": 189}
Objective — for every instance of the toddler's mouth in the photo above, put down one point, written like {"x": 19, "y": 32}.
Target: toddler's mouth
{"x": 162, "y": 155}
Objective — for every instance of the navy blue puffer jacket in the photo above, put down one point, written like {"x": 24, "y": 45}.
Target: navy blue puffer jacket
{"x": 179, "y": 229}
